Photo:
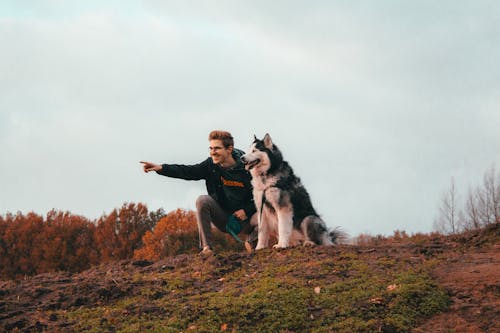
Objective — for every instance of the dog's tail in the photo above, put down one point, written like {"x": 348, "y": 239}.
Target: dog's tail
{"x": 338, "y": 236}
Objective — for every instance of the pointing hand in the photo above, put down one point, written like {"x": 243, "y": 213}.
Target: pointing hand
{"x": 148, "y": 166}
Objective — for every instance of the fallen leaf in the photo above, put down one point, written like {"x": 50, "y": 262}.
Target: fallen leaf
{"x": 392, "y": 287}
{"x": 376, "y": 300}
{"x": 317, "y": 290}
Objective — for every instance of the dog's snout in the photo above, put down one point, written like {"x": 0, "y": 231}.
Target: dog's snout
{"x": 243, "y": 159}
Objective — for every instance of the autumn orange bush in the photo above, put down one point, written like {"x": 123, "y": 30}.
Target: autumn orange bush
{"x": 61, "y": 241}
{"x": 120, "y": 233}
{"x": 31, "y": 244}
{"x": 174, "y": 234}
{"x": 398, "y": 237}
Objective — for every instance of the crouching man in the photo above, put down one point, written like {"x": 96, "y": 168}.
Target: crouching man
{"x": 229, "y": 204}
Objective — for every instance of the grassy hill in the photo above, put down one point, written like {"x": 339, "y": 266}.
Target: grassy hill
{"x": 398, "y": 287}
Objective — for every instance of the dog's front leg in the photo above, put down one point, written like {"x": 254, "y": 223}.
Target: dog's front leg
{"x": 284, "y": 212}
{"x": 285, "y": 227}
{"x": 263, "y": 234}
{"x": 262, "y": 228}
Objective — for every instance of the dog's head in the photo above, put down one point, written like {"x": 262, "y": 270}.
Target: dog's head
{"x": 261, "y": 155}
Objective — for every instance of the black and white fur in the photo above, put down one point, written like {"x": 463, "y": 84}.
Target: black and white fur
{"x": 284, "y": 207}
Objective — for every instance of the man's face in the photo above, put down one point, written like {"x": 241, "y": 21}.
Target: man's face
{"x": 218, "y": 153}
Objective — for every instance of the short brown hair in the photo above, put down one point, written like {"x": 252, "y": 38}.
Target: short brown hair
{"x": 225, "y": 137}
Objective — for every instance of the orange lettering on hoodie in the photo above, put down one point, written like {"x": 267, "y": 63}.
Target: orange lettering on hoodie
{"x": 231, "y": 183}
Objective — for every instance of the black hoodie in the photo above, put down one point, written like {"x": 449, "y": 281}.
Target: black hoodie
{"x": 230, "y": 187}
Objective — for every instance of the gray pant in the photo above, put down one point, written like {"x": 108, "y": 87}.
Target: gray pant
{"x": 209, "y": 212}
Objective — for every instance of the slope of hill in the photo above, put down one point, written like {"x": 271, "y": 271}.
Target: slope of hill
{"x": 440, "y": 284}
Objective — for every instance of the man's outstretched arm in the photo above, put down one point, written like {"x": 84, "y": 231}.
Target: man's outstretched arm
{"x": 188, "y": 172}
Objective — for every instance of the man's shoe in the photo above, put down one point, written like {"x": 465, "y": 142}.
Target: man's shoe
{"x": 248, "y": 247}
{"x": 207, "y": 251}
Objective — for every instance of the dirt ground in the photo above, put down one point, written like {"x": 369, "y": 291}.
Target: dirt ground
{"x": 470, "y": 274}
{"x": 473, "y": 282}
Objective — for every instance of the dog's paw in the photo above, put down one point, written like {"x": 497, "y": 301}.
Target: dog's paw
{"x": 279, "y": 246}
{"x": 309, "y": 243}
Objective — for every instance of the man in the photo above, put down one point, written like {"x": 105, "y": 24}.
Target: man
{"x": 228, "y": 186}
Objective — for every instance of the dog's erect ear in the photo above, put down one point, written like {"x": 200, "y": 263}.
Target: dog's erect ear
{"x": 268, "y": 143}
{"x": 255, "y": 138}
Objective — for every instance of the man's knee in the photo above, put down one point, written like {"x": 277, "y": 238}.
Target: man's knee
{"x": 203, "y": 201}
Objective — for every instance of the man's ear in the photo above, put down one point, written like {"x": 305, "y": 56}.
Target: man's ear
{"x": 230, "y": 148}
{"x": 268, "y": 143}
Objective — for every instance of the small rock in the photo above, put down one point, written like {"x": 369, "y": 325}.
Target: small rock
{"x": 142, "y": 263}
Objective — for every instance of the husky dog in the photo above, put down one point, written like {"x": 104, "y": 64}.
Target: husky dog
{"x": 283, "y": 205}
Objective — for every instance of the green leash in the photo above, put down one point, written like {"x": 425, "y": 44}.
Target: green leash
{"x": 233, "y": 226}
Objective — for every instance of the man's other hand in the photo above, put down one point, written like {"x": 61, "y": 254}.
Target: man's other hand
{"x": 240, "y": 214}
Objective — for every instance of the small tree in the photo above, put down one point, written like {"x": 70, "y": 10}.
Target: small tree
{"x": 472, "y": 216}
{"x": 490, "y": 197}
{"x": 482, "y": 206}
{"x": 120, "y": 233}
{"x": 448, "y": 220}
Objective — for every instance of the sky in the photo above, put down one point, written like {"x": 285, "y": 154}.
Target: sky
{"x": 376, "y": 105}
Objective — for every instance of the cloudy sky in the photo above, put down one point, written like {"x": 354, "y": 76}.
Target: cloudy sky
{"x": 376, "y": 105}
